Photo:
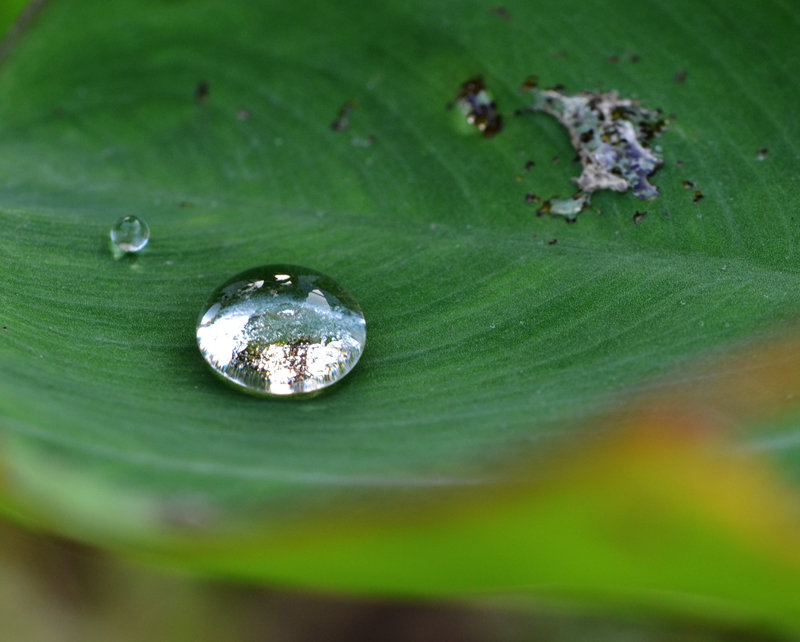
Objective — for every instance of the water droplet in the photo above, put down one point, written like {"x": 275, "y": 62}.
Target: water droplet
{"x": 281, "y": 330}
{"x": 129, "y": 234}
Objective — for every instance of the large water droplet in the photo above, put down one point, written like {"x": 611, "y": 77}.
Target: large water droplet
{"x": 281, "y": 330}
{"x": 129, "y": 234}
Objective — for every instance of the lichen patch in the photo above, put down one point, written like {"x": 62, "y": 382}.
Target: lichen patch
{"x": 612, "y": 137}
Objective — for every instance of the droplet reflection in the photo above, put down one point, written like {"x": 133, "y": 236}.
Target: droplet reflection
{"x": 129, "y": 235}
{"x": 281, "y": 330}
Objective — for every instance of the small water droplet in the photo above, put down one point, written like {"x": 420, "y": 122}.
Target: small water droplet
{"x": 281, "y": 330}
{"x": 129, "y": 234}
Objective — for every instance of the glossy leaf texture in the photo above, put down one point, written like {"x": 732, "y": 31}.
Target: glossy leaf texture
{"x": 496, "y": 338}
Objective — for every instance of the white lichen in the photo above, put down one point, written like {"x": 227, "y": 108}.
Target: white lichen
{"x": 612, "y": 137}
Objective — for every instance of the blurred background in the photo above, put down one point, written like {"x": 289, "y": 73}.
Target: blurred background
{"x": 53, "y": 590}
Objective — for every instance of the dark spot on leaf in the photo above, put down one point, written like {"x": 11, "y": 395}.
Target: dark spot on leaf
{"x": 698, "y": 196}
{"x": 681, "y": 76}
{"x": 5, "y": 327}
{"x": 666, "y": 212}
{"x": 342, "y": 121}
{"x": 635, "y": 58}
{"x": 201, "y": 92}
{"x": 531, "y": 82}
{"x": 552, "y": 241}
{"x": 638, "y": 216}
{"x": 688, "y": 185}
{"x": 762, "y": 154}
{"x": 531, "y": 198}
{"x": 530, "y": 165}
{"x": 478, "y": 107}
{"x": 544, "y": 209}
{"x": 679, "y": 163}
{"x": 185, "y": 204}
{"x": 613, "y": 59}
{"x": 556, "y": 160}
{"x": 501, "y": 12}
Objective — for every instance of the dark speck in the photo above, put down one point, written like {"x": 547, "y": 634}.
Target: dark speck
{"x": 342, "y": 121}
{"x": 556, "y": 160}
{"x": 698, "y": 196}
{"x": 613, "y": 59}
{"x": 679, "y": 163}
{"x": 530, "y": 165}
{"x": 552, "y": 241}
{"x": 5, "y": 327}
{"x": 666, "y": 212}
{"x": 201, "y": 92}
{"x": 638, "y": 216}
{"x": 688, "y": 185}
{"x": 762, "y": 153}
{"x": 531, "y": 198}
{"x": 635, "y": 59}
{"x": 184, "y": 204}
{"x": 478, "y": 107}
{"x": 681, "y": 76}
{"x": 501, "y": 12}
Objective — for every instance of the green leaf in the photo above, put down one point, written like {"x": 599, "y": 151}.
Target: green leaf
{"x": 9, "y": 12}
{"x": 487, "y": 342}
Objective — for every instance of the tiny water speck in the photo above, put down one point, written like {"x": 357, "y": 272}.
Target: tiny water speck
{"x": 129, "y": 234}
{"x": 281, "y": 330}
